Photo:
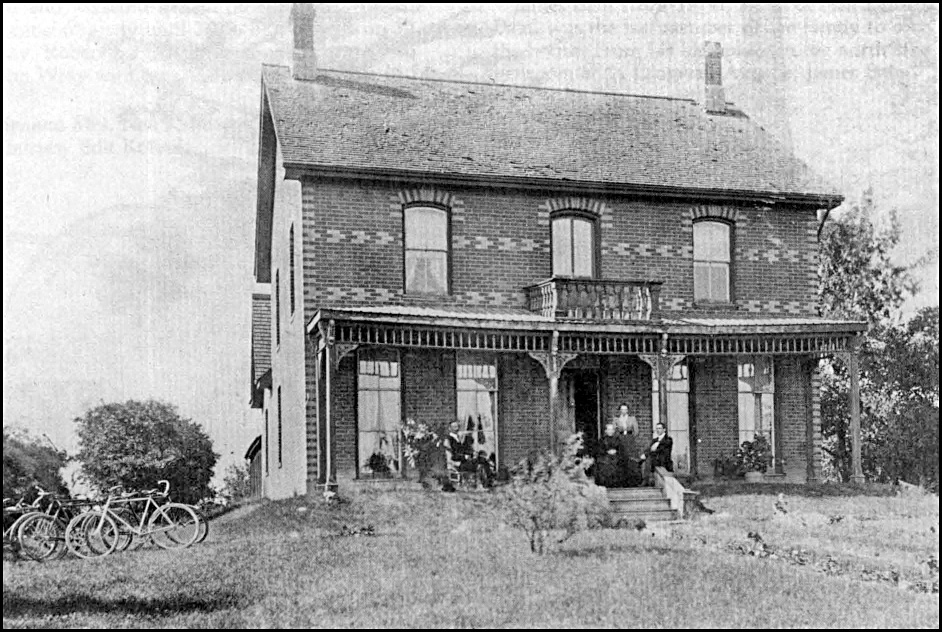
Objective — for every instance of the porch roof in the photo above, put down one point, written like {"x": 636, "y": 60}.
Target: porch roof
{"x": 520, "y": 319}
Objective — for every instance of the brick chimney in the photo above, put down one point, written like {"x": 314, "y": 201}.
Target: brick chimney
{"x": 303, "y": 61}
{"x": 714, "y": 97}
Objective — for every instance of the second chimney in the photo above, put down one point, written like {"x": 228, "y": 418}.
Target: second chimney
{"x": 303, "y": 61}
{"x": 714, "y": 97}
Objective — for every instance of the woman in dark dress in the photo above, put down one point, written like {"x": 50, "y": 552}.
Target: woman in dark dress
{"x": 608, "y": 462}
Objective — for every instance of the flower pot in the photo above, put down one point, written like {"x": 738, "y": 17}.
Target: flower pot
{"x": 754, "y": 477}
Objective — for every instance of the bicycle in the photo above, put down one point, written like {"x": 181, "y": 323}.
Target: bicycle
{"x": 99, "y": 532}
{"x": 41, "y": 534}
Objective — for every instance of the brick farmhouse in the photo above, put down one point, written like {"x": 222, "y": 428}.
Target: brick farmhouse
{"x": 524, "y": 260}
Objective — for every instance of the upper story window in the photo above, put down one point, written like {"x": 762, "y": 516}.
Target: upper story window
{"x": 711, "y": 261}
{"x": 426, "y": 241}
{"x": 574, "y": 246}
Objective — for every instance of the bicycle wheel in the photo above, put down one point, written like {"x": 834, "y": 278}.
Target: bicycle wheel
{"x": 204, "y": 526}
{"x": 125, "y": 534}
{"x": 41, "y": 537}
{"x": 10, "y": 533}
{"x": 92, "y": 534}
{"x": 174, "y": 526}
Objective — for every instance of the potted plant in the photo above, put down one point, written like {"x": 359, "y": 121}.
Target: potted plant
{"x": 379, "y": 465}
{"x": 422, "y": 444}
{"x": 754, "y": 457}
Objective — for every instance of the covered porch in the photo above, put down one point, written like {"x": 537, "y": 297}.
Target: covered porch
{"x": 516, "y": 381}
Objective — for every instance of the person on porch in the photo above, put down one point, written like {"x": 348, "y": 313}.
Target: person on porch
{"x": 459, "y": 450}
{"x": 659, "y": 454}
{"x": 627, "y": 431}
{"x": 609, "y": 459}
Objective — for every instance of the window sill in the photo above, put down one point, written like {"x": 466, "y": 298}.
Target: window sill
{"x": 716, "y": 306}
{"x": 429, "y": 298}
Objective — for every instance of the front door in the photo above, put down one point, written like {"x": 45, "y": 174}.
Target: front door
{"x": 585, "y": 400}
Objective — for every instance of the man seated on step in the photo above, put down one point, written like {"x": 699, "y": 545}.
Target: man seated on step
{"x": 658, "y": 455}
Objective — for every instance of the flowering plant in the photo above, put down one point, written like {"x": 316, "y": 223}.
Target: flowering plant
{"x": 419, "y": 439}
{"x": 755, "y": 455}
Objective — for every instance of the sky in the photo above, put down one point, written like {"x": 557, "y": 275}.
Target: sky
{"x": 130, "y": 144}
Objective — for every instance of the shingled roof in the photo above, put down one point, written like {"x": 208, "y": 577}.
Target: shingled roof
{"x": 369, "y": 123}
{"x": 261, "y": 339}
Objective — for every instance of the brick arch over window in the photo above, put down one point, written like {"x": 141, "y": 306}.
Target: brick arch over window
{"x": 577, "y": 204}
{"x": 714, "y": 211}
{"x": 426, "y": 195}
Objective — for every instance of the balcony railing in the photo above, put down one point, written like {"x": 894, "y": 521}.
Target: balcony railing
{"x": 591, "y": 299}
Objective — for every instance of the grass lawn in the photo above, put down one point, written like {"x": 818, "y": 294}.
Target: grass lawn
{"x": 448, "y": 560}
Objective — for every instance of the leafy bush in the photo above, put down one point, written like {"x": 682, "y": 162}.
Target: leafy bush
{"x": 755, "y": 455}
{"x": 136, "y": 444}
{"x": 236, "y": 483}
{"x": 29, "y": 463}
{"x": 552, "y": 492}
{"x": 422, "y": 443}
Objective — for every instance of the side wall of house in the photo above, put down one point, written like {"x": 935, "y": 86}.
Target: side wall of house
{"x": 286, "y": 475}
{"x": 500, "y": 244}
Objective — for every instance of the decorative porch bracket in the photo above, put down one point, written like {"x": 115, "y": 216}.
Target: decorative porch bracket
{"x": 662, "y": 363}
{"x": 851, "y": 357}
{"x": 553, "y": 362}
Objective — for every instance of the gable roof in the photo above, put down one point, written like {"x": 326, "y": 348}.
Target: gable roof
{"x": 261, "y": 340}
{"x": 381, "y": 124}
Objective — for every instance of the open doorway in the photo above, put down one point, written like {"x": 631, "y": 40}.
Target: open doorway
{"x": 586, "y": 409}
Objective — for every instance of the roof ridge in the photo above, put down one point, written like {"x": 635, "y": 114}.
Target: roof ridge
{"x": 497, "y": 85}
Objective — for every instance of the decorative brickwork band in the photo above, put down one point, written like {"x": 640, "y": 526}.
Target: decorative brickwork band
{"x": 573, "y": 203}
{"x": 729, "y": 213}
{"x": 432, "y": 195}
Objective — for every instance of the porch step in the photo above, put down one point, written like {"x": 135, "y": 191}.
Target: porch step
{"x": 665, "y": 515}
{"x": 633, "y": 506}
{"x": 634, "y": 493}
{"x": 640, "y": 503}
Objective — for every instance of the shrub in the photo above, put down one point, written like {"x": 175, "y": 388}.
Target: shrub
{"x": 236, "y": 483}
{"x": 552, "y": 492}
{"x": 755, "y": 455}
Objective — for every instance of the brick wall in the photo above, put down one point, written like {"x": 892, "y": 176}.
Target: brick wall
{"x": 716, "y": 410}
{"x": 428, "y": 382}
{"x": 353, "y": 248}
{"x": 523, "y": 407}
{"x": 792, "y": 381}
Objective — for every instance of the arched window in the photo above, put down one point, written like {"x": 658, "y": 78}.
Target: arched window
{"x": 426, "y": 242}
{"x": 711, "y": 261}
{"x": 573, "y": 246}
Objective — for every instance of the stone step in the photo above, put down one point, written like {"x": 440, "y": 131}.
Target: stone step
{"x": 662, "y": 515}
{"x": 631, "y": 493}
{"x": 643, "y": 504}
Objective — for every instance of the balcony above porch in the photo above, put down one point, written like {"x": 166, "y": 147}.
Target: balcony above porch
{"x": 595, "y": 299}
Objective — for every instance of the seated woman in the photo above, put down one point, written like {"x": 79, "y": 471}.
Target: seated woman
{"x": 608, "y": 459}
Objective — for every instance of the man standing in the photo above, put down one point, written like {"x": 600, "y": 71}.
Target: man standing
{"x": 659, "y": 454}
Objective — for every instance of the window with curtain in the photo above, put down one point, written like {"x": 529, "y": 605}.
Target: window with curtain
{"x": 426, "y": 244}
{"x": 378, "y": 411}
{"x": 711, "y": 261}
{"x": 476, "y": 382}
{"x": 678, "y": 413}
{"x": 757, "y": 399}
{"x": 573, "y": 246}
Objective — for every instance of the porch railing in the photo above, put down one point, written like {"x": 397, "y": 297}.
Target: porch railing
{"x": 591, "y": 299}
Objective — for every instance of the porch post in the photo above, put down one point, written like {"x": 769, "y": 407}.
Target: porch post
{"x": 330, "y": 478}
{"x": 553, "y": 362}
{"x": 853, "y": 369}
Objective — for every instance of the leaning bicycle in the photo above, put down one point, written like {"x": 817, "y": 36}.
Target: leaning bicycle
{"x": 127, "y": 516}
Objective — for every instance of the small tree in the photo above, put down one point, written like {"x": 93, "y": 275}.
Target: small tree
{"x": 136, "y": 444}
{"x": 236, "y": 483}
{"x": 552, "y": 492}
{"x": 29, "y": 463}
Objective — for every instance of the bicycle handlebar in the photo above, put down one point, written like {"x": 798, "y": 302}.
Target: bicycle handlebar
{"x": 166, "y": 487}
